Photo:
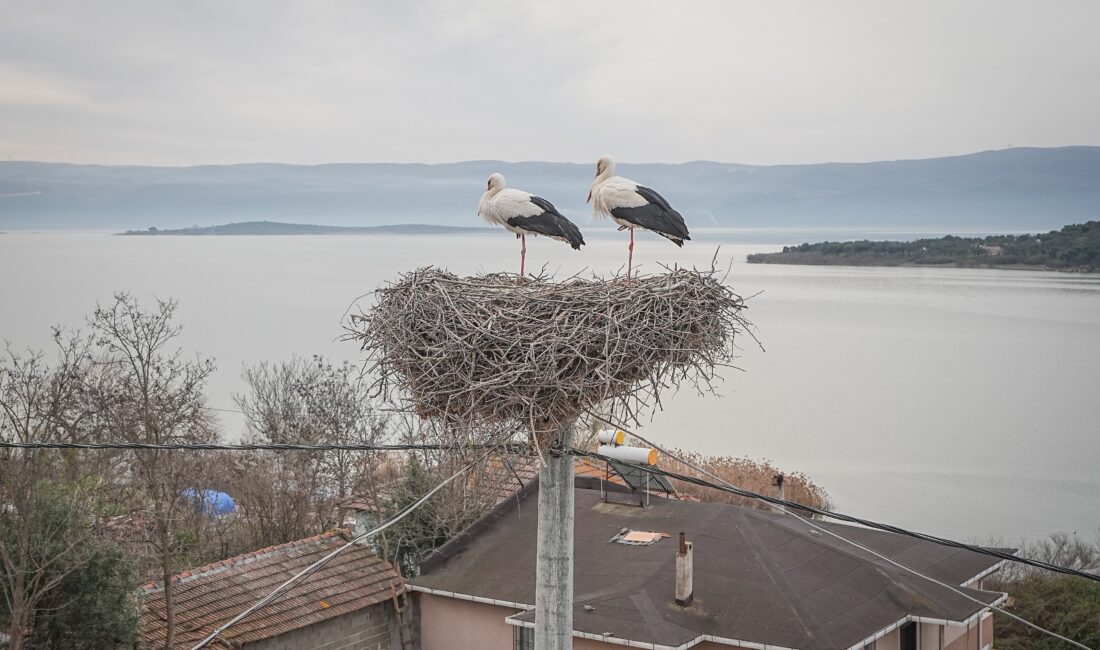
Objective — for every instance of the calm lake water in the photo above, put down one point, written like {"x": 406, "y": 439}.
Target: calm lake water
{"x": 959, "y": 402}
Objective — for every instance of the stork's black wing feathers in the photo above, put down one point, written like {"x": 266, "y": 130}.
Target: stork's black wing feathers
{"x": 656, "y": 215}
{"x": 546, "y": 206}
{"x": 550, "y": 223}
{"x": 652, "y": 196}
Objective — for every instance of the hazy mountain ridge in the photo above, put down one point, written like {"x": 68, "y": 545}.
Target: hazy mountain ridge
{"x": 1023, "y": 187}
{"x": 278, "y": 228}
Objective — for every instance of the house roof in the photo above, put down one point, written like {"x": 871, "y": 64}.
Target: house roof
{"x": 504, "y": 475}
{"x": 209, "y": 596}
{"x": 759, "y": 577}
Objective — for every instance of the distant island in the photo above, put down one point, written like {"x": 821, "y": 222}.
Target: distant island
{"x": 275, "y": 228}
{"x": 1073, "y": 248}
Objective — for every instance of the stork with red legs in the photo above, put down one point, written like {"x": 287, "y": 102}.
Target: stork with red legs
{"x": 632, "y": 206}
{"x": 525, "y": 214}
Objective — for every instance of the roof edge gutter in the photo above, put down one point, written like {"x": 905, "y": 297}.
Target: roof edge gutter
{"x": 474, "y": 599}
{"x": 976, "y": 617}
{"x": 993, "y": 569}
{"x": 751, "y": 645}
{"x": 613, "y": 640}
{"x": 741, "y": 643}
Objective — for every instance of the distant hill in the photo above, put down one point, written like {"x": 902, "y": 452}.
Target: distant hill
{"x": 1011, "y": 189}
{"x": 275, "y": 228}
{"x": 1073, "y": 248}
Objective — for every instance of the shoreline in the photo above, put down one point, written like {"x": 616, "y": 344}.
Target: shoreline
{"x": 1074, "y": 248}
{"x": 914, "y": 265}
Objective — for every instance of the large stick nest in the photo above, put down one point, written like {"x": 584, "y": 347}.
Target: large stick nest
{"x": 484, "y": 350}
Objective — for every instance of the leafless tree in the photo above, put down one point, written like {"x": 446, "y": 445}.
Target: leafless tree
{"x": 339, "y": 410}
{"x": 38, "y": 545}
{"x": 153, "y": 394}
{"x": 1063, "y": 549}
{"x": 455, "y": 507}
{"x": 272, "y": 492}
{"x": 308, "y": 401}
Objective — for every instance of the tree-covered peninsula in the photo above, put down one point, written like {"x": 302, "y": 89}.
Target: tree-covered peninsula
{"x": 1073, "y": 248}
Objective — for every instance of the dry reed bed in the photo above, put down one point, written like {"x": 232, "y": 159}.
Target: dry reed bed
{"x": 485, "y": 350}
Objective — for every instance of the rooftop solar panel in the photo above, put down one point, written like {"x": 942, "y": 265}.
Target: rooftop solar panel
{"x": 640, "y": 479}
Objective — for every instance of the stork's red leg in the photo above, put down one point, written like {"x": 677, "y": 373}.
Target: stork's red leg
{"x": 630, "y": 259}
{"x": 522, "y": 255}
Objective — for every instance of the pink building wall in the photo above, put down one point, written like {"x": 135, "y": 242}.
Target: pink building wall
{"x": 891, "y": 641}
{"x": 453, "y": 624}
{"x": 930, "y": 636}
{"x": 589, "y": 644}
{"x": 968, "y": 638}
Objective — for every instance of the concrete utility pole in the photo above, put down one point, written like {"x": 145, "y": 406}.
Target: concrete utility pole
{"x": 554, "y": 566}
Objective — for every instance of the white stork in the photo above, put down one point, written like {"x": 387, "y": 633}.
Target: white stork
{"x": 631, "y": 206}
{"x": 525, "y": 214}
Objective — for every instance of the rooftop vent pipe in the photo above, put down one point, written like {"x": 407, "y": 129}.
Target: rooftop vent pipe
{"x": 780, "y": 491}
{"x": 685, "y": 588}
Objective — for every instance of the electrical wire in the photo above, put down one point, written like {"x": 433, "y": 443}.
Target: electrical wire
{"x": 958, "y": 591}
{"x": 860, "y": 546}
{"x": 513, "y": 448}
{"x": 313, "y": 568}
{"x": 733, "y": 489}
{"x": 726, "y": 486}
{"x": 262, "y": 446}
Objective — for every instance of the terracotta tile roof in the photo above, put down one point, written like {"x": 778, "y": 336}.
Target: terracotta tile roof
{"x": 209, "y": 596}
{"x": 370, "y": 502}
{"x": 596, "y": 469}
{"x": 503, "y": 476}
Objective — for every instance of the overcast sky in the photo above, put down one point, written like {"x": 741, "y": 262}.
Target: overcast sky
{"x": 181, "y": 83}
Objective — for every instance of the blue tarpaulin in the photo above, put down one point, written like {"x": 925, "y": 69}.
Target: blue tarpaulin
{"x": 212, "y": 501}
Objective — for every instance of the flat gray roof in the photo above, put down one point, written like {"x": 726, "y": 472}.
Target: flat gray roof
{"x": 759, "y": 576}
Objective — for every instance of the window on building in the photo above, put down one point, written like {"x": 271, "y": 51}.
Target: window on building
{"x": 523, "y": 638}
{"x": 869, "y": 646}
{"x": 909, "y": 636}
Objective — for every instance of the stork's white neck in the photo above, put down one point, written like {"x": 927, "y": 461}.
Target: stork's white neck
{"x": 608, "y": 172}
{"x": 602, "y": 178}
{"x": 496, "y": 184}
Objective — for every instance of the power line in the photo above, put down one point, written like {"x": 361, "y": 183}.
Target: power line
{"x": 262, "y": 446}
{"x": 938, "y": 582}
{"x": 513, "y": 448}
{"x": 732, "y": 489}
{"x": 313, "y": 568}
{"x": 775, "y": 502}
{"x": 890, "y": 560}
{"x": 856, "y": 544}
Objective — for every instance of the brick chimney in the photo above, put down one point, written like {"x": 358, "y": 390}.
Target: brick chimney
{"x": 685, "y": 588}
